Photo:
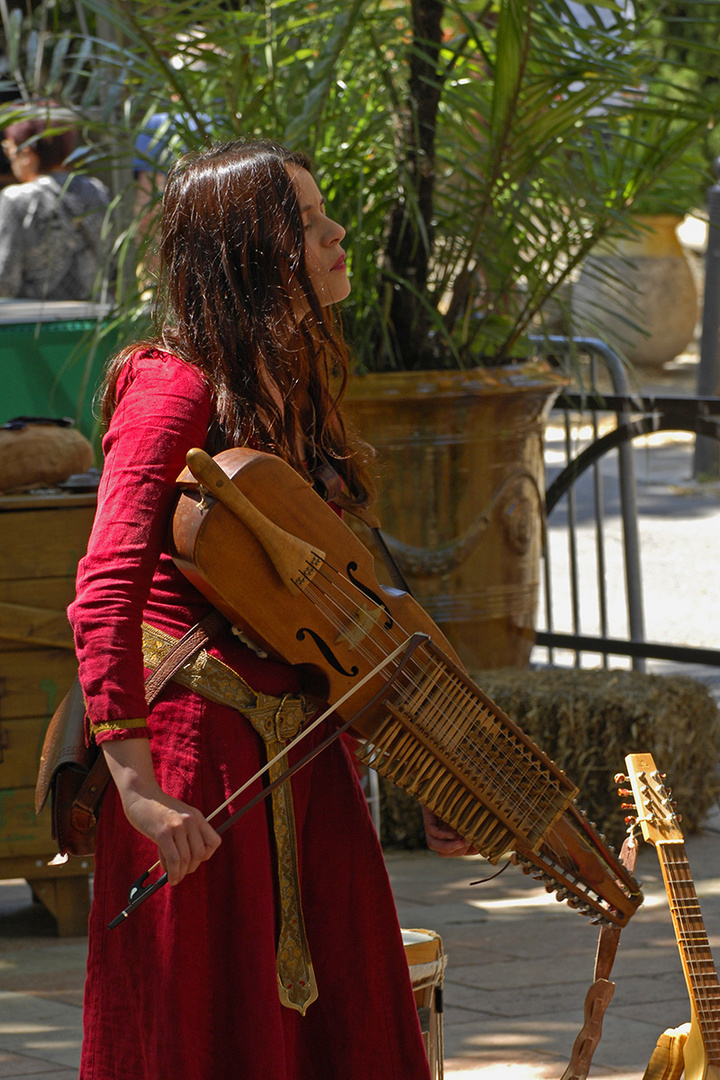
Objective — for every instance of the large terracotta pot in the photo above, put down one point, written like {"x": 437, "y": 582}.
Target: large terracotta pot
{"x": 639, "y": 294}
{"x": 461, "y": 481}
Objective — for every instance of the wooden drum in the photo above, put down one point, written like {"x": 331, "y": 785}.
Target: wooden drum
{"x": 426, "y": 960}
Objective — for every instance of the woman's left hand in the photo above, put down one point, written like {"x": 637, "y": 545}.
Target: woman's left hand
{"x": 442, "y": 838}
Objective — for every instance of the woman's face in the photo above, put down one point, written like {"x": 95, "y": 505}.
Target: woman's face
{"x": 25, "y": 163}
{"x": 324, "y": 258}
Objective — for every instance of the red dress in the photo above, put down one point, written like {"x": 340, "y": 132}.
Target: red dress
{"x": 186, "y": 988}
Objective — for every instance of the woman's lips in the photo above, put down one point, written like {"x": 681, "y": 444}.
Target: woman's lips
{"x": 340, "y": 264}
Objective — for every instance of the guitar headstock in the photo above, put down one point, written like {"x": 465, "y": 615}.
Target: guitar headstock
{"x": 655, "y": 813}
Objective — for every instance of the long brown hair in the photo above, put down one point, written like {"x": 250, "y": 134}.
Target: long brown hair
{"x": 231, "y": 242}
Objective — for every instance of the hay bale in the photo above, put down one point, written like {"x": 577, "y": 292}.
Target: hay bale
{"x": 401, "y": 823}
{"x": 587, "y": 721}
{"x": 41, "y": 454}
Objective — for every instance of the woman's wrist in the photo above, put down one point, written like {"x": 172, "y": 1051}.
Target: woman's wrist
{"x": 106, "y": 730}
{"x": 131, "y": 767}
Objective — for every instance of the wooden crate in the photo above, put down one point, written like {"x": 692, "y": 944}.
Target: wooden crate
{"x": 42, "y": 538}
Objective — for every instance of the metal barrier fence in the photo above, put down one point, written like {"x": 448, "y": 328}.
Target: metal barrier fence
{"x": 634, "y": 416}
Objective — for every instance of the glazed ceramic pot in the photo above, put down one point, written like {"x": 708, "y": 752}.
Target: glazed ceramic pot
{"x": 461, "y": 496}
{"x": 639, "y": 295}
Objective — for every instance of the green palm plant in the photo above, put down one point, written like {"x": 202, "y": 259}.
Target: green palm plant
{"x": 476, "y": 149}
{"x": 545, "y": 136}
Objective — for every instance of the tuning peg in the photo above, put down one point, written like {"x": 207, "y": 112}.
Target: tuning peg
{"x": 621, "y": 778}
{"x": 628, "y": 806}
{"x": 631, "y": 821}
{"x": 623, "y": 791}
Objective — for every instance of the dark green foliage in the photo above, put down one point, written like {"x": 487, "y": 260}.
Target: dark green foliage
{"x": 476, "y": 150}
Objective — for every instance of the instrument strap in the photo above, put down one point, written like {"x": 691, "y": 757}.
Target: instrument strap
{"x": 372, "y": 522}
{"x": 191, "y": 642}
{"x": 396, "y": 575}
{"x": 328, "y": 484}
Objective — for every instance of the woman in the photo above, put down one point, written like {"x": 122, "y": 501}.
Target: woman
{"x": 51, "y": 221}
{"x": 190, "y": 985}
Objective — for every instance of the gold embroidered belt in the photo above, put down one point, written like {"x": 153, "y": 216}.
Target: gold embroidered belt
{"x": 277, "y": 720}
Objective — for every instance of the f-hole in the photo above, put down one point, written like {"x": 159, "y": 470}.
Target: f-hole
{"x": 326, "y": 651}
{"x": 369, "y": 593}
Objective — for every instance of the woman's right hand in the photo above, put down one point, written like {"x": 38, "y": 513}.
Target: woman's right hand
{"x": 183, "y": 837}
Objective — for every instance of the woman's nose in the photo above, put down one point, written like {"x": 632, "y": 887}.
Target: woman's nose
{"x": 334, "y": 232}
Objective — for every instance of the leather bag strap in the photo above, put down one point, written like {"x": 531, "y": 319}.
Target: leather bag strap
{"x": 396, "y": 575}
{"x": 85, "y": 803}
{"x": 184, "y": 650}
{"x": 328, "y": 483}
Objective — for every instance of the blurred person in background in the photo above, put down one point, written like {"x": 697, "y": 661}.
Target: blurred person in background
{"x": 51, "y": 220}
{"x": 8, "y": 93}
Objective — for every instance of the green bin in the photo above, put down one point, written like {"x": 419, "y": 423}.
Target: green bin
{"x": 52, "y": 359}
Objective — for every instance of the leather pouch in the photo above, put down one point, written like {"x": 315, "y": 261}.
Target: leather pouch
{"x": 73, "y": 774}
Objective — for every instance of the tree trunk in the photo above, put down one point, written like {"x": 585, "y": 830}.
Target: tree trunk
{"x": 410, "y": 240}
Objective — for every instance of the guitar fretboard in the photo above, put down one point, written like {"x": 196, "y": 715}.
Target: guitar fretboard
{"x": 700, "y": 971}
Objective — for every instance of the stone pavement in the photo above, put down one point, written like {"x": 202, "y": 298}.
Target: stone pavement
{"x": 519, "y": 965}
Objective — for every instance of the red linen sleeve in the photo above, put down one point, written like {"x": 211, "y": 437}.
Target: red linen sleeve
{"x": 164, "y": 408}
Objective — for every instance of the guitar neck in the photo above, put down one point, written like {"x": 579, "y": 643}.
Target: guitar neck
{"x": 700, "y": 972}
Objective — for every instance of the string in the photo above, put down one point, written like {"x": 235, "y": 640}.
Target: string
{"x": 440, "y": 696}
{"x": 702, "y": 976}
{"x": 449, "y": 693}
{"x": 484, "y": 880}
{"x": 690, "y": 932}
{"x": 439, "y": 691}
{"x": 505, "y": 758}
